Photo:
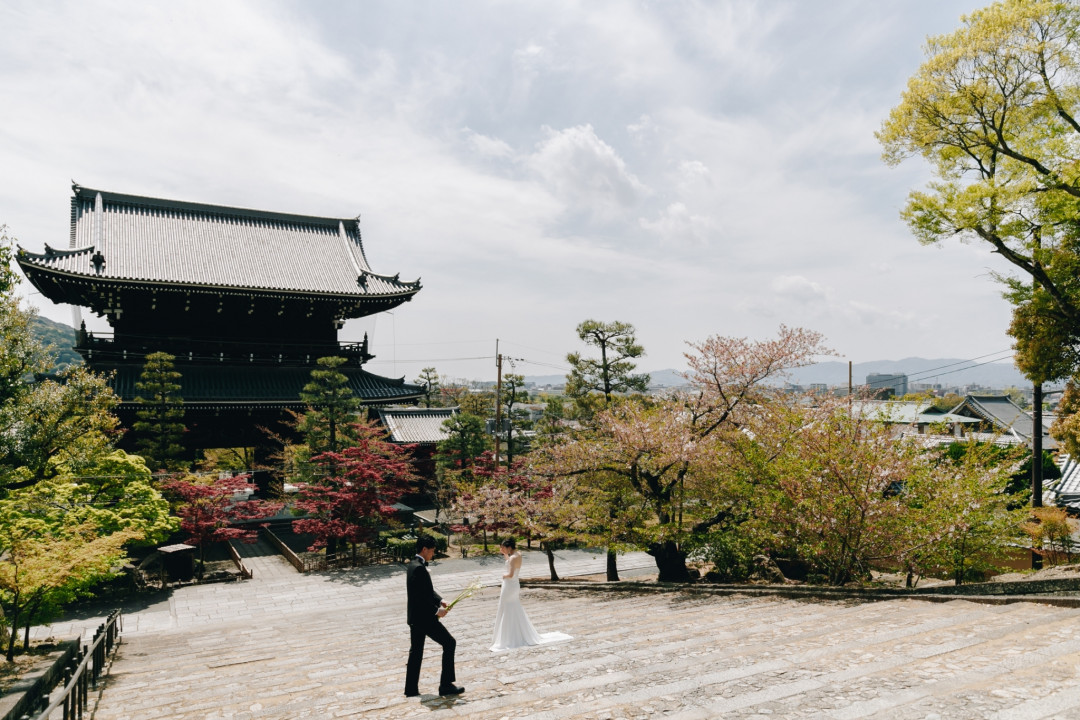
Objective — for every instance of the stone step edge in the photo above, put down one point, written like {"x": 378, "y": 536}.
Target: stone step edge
{"x": 804, "y": 592}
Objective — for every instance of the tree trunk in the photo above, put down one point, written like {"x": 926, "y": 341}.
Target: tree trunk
{"x": 670, "y": 561}
{"x": 14, "y": 629}
{"x": 612, "y": 566}
{"x": 551, "y": 560}
{"x": 30, "y": 613}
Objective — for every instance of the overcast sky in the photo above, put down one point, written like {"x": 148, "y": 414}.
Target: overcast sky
{"x": 694, "y": 169}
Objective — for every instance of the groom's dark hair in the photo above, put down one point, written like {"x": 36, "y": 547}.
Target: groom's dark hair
{"x": 425, "y": 541}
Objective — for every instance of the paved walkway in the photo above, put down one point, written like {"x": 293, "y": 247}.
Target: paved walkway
{"x": 278, "y": 588}
{"x": 333, "y": 645}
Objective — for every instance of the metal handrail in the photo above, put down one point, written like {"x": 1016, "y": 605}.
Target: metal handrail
{"x": 105, "y": 639}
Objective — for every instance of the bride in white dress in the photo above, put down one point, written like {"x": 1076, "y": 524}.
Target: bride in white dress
{"x": 512, "y": 626}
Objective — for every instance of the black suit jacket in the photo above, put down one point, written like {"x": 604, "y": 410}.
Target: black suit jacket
{"x": 424, "y": 602}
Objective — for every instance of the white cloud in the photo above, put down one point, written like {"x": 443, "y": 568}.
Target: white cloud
{"x": 699, "y": 168}
{"x": 586, "y": 173}
{"x": 799, "y": 289}
{"x": 487, "y": 147}
{"x": 678, "y": 226}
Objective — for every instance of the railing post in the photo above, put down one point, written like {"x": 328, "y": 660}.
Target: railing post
{"x": 67, "y": 698}
{"x": 83, "y": 691}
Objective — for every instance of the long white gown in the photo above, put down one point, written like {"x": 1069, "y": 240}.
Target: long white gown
{"x": 512, "y": 626}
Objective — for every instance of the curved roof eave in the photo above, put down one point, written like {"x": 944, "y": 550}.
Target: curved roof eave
{"x": 25, "y": 259}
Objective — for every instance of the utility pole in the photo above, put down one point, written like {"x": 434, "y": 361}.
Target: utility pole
{"x": 1036, "y": 429}
{"x": 850, "y": 389}
{"x": 1036, "y": 460}
{"x": 498, "y": 399}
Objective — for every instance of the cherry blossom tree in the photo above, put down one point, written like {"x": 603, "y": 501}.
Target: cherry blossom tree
{"x": 658, "y": 446}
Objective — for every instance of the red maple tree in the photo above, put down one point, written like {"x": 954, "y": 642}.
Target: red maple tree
{"x": 210, "y": 511}
{"x": 356, "y": 489}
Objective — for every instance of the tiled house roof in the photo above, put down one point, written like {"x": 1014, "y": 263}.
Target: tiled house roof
{"x": 148, "y": 240}
{"x": 1004, "y": 416}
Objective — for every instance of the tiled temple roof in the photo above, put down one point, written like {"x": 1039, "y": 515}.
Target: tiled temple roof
{"x": 259, "y": 385}
{"x": 148, "y": 240}
{"x": 416, "y": 425}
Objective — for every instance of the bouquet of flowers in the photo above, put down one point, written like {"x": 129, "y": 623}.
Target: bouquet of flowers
{"x": 471, "y": 589}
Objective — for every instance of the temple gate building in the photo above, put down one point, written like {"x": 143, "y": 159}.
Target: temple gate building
{"x": 246, "y": 301}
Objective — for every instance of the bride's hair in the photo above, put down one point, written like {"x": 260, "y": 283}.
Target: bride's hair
{"x": 510, "y": 543}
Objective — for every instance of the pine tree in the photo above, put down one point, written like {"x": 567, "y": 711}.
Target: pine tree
{"x": 429, "y": 378}
{"x": 332, "y": 408}
{"x": 159, "y": 421}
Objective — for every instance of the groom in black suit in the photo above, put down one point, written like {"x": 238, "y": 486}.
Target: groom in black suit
{"x": 425, "y": 609}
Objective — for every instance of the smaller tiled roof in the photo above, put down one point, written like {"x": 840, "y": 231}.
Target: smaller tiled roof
{"x": 416, "y": 425}
{"x": 934, "y": 441}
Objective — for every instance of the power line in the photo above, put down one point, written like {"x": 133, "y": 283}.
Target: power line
{"x": 961, "y": 362}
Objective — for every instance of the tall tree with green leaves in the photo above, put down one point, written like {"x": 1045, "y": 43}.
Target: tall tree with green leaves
{"x": 42, "y": 420}
{"x": 995, "y": 111}
{"x": 513, "y": 393}
{"x": 429, "y": 378}
{"x": 160, "y": 417}
{"x": 613, "y": 371}
{"x": 332, "y": 408}
{"x": 328, "y": 426}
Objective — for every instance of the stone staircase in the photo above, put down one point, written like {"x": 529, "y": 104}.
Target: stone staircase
{"x": 634, "y": 655}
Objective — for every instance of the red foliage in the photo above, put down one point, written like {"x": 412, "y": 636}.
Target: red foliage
{"x": 209, "y": 511}
{"x": 358, "y": 489}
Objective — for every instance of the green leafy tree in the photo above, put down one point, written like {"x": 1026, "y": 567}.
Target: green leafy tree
{"x": 40, "y": 560}
{"x": 429, "y": 378}
{"x": 613, "y": 371}
{"x": 552, "y": 423}
{"x": 114, "y": 492}
{"x": 994, "y": 109}
{"x": 159, "y": 424}
{"x": 8, "y": 278}
{"x": 332, "y": 408}
{"x": 962, "y": 516}
{"x": 110, "y": 497}
{"x": 66, "y": 420}
{"x": 456, "y": 456}
{"x": 480, "y": 404}
{"x": 328, "y": 425}
{"x": 513, "y": 392}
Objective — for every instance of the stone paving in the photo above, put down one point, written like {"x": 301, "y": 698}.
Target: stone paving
{"x": 333, "y": 645}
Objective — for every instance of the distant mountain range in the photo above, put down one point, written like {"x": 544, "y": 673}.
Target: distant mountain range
{"x": 61, "y": 338}
{"x": 948, "y": 372}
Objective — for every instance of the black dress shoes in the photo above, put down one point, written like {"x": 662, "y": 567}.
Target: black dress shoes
{"x": 412, "y": 693}
{"x": 451, "y": 690}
